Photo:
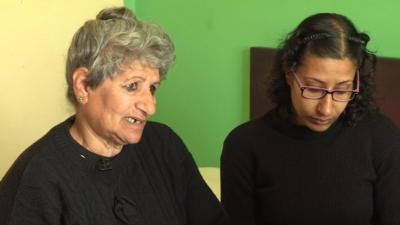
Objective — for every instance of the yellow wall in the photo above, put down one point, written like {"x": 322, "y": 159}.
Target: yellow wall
{"x": 34, "y": 39}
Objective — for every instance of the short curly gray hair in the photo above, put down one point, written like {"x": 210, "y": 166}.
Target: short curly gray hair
{"x": 111, "y": 41}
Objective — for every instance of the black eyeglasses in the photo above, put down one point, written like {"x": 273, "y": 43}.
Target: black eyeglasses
{"x": 339, "y": 95}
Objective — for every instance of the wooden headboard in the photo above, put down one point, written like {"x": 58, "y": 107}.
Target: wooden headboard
{"x": 387, "y": 83}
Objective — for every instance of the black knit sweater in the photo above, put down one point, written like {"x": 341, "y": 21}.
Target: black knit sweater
{"x": 276, "y": 173}
{"x": 154, "y": 182}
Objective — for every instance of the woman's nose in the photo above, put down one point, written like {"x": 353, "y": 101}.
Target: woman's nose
{"x": 325, "y": 105}
{"x": 147, "y": 103}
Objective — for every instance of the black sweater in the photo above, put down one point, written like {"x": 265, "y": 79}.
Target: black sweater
{"x": 154, "y": 182}
{"x": 276, "y": 173}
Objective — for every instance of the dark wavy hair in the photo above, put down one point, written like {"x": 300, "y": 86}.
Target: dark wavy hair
{"x": 325, "y": 35}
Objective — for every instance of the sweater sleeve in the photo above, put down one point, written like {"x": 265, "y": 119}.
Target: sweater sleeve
{"x": 387, "y": 187}
{"x": 197, "y": 203}
{"x": 203, "y": 207}
{"x": 24, "y": 193}
{"x": 32, "y": 206}
{"x": 237, "y": 181}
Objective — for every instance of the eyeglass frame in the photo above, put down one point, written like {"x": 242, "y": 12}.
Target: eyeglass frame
{"x": 327, "y": 91}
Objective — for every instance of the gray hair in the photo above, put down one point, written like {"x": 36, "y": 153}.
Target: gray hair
{"x": 113, "y": 40}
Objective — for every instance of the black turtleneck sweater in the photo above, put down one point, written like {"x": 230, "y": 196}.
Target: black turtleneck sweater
{"x": 155, "y": 182}
{"x": 276, "y": 173}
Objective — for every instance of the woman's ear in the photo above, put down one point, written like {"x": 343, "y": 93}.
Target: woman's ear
{"x": 289, "y": 70}
{"x": 79, "y": 81}
{"x": 288, "y": 75}
{"x": 289, "y": 79}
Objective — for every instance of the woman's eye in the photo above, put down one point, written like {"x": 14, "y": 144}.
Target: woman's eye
{"x": 132, "y": 86}
{"x": 314, "y": 90}
{"x": 153, "y": 89}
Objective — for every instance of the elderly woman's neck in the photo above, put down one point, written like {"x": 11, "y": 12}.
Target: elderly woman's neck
{"x": 82, "y": 132}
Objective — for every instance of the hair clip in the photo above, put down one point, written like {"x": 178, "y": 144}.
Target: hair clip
{"x": 357, "y": 40}
{"x": 316, "y": 36}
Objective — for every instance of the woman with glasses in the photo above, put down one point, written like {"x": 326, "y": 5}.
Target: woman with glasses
{"x": 324, "y": 154}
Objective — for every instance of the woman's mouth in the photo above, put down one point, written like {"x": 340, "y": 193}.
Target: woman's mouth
{"x": 133, "y": 120}
{"x": 318, "y": 121}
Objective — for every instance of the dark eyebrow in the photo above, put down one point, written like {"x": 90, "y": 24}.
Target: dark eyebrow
{"x": 136, "y": 77}
{"x": 142, "y": 79}
{"x": 157, "y": 83}
{"x": 322, "y": 82}
{"x": 313, "y": 79}
{"x": 345, "y": 82}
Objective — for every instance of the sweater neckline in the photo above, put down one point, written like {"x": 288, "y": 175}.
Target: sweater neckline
{"x": 287, "y": 127}
{"x": 85, "y": 158}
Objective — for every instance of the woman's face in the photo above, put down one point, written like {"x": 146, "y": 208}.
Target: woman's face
{"x": 319, "y": 114}
{"x": 117, "y": 110}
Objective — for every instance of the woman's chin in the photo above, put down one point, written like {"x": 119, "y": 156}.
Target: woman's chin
{"x": 319, "y": 127}
{"x": 134, "y": 139}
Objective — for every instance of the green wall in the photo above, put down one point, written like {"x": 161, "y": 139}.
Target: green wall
{"x": 206, "y": 94}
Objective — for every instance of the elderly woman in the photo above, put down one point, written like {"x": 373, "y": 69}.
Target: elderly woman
{"x": 108, "y": 164}
{"x": 323, "y": 155}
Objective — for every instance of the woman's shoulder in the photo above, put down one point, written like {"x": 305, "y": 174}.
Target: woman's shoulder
{"x": 160, "y": 140}
{"x": 378, "y": 122}
{"x": 34, "y": 166}
{"x": 158, "y": 131}
{"x": 381, "y": 132}
{"x": 252, "y": 128}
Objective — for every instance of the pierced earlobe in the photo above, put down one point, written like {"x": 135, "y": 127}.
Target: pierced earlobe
{"x": 79, "y": 78}
{"x": 81, "y": 99}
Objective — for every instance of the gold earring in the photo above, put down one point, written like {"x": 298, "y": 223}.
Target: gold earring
{"x": 81, "y": 99}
